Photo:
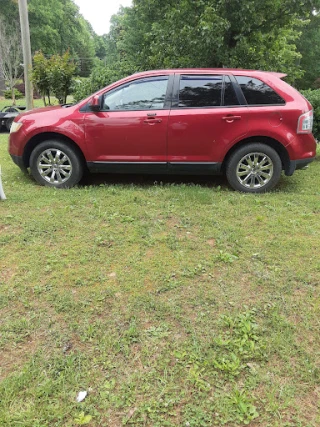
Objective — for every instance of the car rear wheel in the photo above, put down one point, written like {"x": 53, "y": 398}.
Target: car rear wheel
{"x": 56, "y": 164}
{"x": 254, "y": 168}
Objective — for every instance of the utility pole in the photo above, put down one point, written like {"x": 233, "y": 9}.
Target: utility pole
{"x": 26, "y": 49}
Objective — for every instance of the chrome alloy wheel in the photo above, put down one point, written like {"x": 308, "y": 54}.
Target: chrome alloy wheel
{"x": 254, "y": 170}
{"x": 54, "y": 166}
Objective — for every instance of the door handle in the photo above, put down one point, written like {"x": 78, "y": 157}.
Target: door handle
{"x": 152, "y": 121}
{"x": 230, "y": 119}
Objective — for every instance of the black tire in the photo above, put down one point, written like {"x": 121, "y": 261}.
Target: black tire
{"x": 9, "y": 123}
{"x": 254, "y": 168}
{"x": 56, "y": 164}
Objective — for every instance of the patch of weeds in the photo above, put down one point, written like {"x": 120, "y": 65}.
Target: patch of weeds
{"x": 229, "y": 364}
{"x": 156, "y": 412}
{"x": 169, "y": 286}
{"x": 190, "y": 272}
{"x": 161, "y": 331}
{"x": 18, "y": 330}
{"x": 226, "y": 257}
{"x": 82, "y": 419}
{"x": 242, "y": 335}
{"x": 240, "y": 408}
{"x": 199, "y": 415}
{"x": 196, "y": 376}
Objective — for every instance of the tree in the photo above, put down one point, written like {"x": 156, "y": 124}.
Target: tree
{"x": 53, "y": 76}
{"x": 211, "y": 33}
{"x": 309, "y": 48}
{"x": 61, "y": 71}
{"x": 55, "y": 27}
{"x": 10, "y": 55}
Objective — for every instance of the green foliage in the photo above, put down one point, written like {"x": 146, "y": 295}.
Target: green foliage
{"x": 239, "y": 343}
{"x": 17, "y": 94}
{"x": 99, "y": 78}
{"x": 309, "y": 48}
{"x": 61, "y": 70}
{"x": 57, "y": 26}
{"x": 83, "y": 419}
{"x": 53, "y": 75}
{"x": 255, "y": 34}
{"x": 242, "y": 409}
{"x": 313, "y": 96}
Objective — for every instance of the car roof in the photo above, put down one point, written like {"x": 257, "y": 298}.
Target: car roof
{"x": 235, "y": 71}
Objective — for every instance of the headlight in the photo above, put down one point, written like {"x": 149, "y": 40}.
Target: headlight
{"x": 15, "y": 126}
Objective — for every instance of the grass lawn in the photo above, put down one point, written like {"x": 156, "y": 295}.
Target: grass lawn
{"x": 21, "y": 102}
{"x": 172, "y": 303}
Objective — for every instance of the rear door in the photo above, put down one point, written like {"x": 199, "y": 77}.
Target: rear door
{"x": 205, "y": 120}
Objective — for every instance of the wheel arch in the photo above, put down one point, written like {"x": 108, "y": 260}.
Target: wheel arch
{"x": 37, "y": 139}
{"x": 276, "y": 145}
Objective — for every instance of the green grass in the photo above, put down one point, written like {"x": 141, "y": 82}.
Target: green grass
{"x": 22, "y": 102}
{"x": 173, "y": 303}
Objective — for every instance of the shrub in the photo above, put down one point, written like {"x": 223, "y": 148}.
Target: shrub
{"x": 99, "y": 78}
{"x": 313, "y": 96}
{"x": 21, "y": 88}
{"x": 8, "y": 94}
{"x": 53, "y": 76}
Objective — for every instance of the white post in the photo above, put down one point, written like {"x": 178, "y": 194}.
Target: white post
{"x": 2, "y": 195}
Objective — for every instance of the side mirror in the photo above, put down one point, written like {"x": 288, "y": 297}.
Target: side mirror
{"x": 95, "y": 104}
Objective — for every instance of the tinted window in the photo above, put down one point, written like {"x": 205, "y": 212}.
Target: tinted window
{"x": 230, "y": 97}
{"x": 146, "y": 94}
{"x": 200, "y": 91}
{"x": 256, "y": 92}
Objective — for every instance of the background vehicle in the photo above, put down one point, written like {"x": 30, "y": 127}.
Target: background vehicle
{"x": 250, "y": 125}
{"x": 7, "y": 114}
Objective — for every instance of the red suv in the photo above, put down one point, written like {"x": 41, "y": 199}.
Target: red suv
{"x": 250, "y": 125}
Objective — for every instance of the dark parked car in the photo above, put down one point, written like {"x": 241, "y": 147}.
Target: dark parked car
{"x": 7, "y": 114}
{"x": 250, "y": 125}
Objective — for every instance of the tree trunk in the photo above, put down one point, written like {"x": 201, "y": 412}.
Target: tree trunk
{"x": 13, "y": 95}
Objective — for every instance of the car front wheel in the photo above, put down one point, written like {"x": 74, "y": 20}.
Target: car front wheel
{"x": 56, "y": 164}
{"x": 254, "y": 168}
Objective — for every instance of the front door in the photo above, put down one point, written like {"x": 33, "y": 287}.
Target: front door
{"x": 131, "y": 127}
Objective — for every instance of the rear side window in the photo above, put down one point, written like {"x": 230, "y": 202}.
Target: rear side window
{"x": 200, "y": 91}
{"x": 257, "y": 92}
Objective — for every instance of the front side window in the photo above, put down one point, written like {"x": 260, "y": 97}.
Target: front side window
{"x": 200, "y": 91}
{"x": 257, "y": 92}
{"x": 145, "y": 94}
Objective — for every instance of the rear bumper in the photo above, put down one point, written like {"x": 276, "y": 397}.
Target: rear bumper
{"x": 297, "y": 164}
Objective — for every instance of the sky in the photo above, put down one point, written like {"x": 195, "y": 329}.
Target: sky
{"x": 99, "y": 12}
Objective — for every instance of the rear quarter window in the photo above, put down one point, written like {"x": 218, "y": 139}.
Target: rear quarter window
{"x": 257, "y": 92}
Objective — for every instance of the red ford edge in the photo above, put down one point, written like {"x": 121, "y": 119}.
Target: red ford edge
{"x": 248, "y": 125}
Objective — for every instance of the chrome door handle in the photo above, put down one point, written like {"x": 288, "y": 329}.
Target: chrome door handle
{"x": 230, "y": 119}
{"x": 152, "y": 121}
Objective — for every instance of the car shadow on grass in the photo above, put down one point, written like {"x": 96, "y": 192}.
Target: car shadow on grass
{"x": 215, "y": 182}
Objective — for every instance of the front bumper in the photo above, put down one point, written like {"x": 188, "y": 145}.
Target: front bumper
{"x": 18, "y": 160}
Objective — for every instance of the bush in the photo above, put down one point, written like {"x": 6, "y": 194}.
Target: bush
{"x": 53, "y": 75}
{"x": 8, "y": 94}
{"x": 313, "y": 96}
{"x": 99, "y": 78}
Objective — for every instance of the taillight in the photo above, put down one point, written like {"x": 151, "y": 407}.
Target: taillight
{"x": 305, "y": 122}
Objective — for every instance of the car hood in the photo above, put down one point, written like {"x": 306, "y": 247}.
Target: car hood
{"x": 40, "y": 115}
{"x": 40, "y": 110}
